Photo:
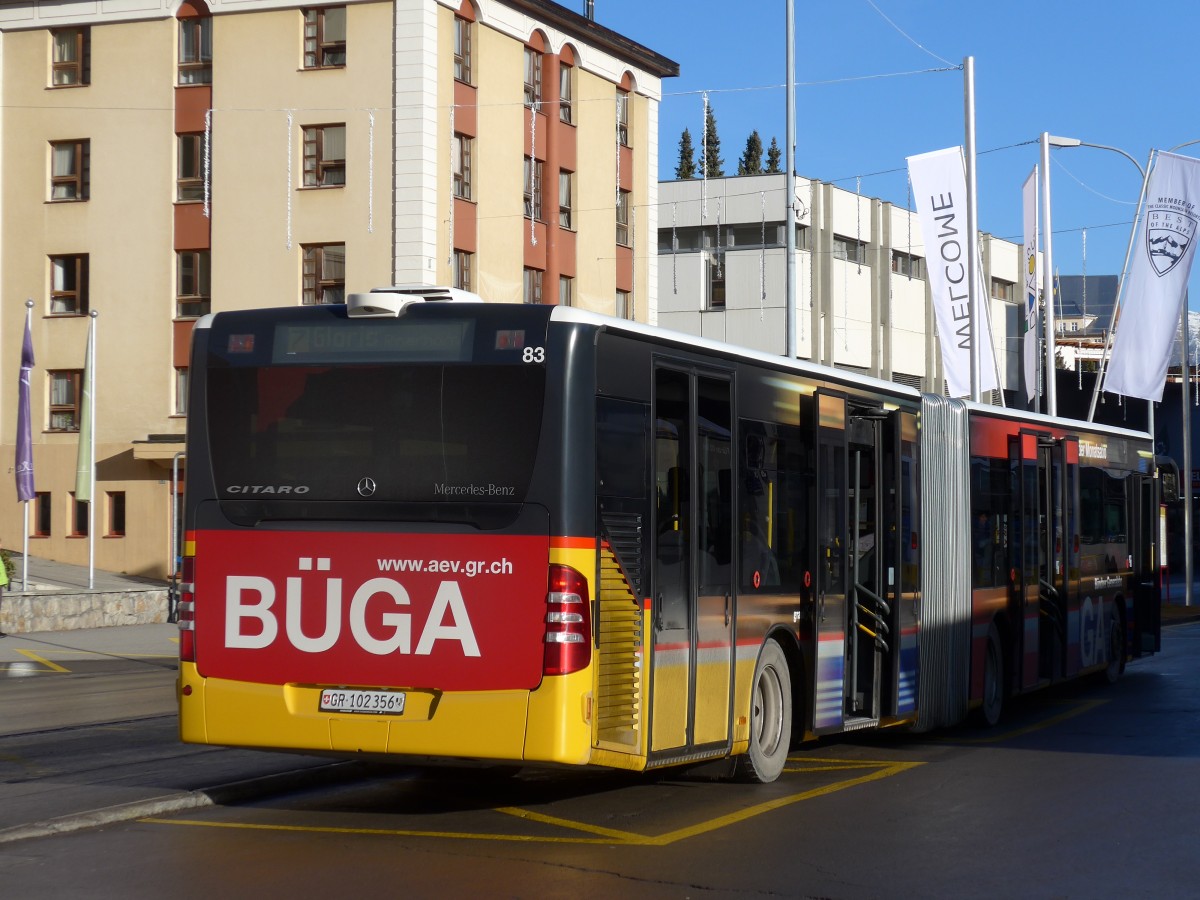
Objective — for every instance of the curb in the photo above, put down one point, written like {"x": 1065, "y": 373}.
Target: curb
{"x": 219, "y": 795}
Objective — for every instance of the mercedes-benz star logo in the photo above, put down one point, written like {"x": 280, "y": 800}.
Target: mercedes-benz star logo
{"x": 366, "y": 486}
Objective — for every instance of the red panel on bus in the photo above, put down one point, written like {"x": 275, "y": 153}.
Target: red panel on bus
{"x": 444, "y": 612}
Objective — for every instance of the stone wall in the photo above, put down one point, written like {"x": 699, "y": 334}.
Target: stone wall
{"x": 21, "y": 613}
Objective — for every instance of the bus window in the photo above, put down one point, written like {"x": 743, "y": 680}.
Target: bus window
{"x": 673, "y": 490}
{"x": 465, "y": 433}
{"x": 774, "y": 492}
{"x": 991, "y": 498}
{"x": 621, "y": 427}
{"x": 715, "y": 514}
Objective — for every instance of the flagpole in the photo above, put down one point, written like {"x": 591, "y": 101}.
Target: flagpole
{"x": 92, "y": 456}
{"x": 1112, "y": 321}
{"x": 973, "y": 298}
{"x": 1048, "y": 281}
{"x": 1186, "y": 433}
{"x": 792, "y": 312}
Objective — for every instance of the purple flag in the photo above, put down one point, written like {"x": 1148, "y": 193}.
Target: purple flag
{"x": 24, "y": 460}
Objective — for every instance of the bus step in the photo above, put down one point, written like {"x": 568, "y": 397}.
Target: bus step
{"x": 858, "y": 723}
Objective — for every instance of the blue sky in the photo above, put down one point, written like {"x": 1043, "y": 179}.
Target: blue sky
{"x": 1107, "y": 72}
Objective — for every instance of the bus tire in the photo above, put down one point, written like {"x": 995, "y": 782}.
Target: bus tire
{"x": 770, "y": 717}
{"x": 993, "y": 679}
{"x": 1116, "y": 645}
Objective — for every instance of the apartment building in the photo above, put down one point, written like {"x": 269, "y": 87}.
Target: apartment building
{"x": 861, "y": 297}
{"x": 161, "y": 161}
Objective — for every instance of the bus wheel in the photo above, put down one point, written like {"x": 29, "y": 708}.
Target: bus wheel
{"x": 1116, "y": 646}
{"x": 770, "y": 718}
{"x": 993, "y": 679}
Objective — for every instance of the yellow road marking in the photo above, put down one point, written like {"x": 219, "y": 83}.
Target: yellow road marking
{"x": 1077, "y": 709}
{"x": 383, "y": 832}
{"x": 886, "y": 770}
{"x": 599, "y": 834}
{"x": 42, "y": 661}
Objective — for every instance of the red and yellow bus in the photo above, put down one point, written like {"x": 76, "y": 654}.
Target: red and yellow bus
{"x": 423, "y": 527}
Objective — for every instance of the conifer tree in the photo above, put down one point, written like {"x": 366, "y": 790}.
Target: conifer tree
{"x": 751, "y": 161}
{"x": 773, "y": 156}
{"x": 687, "y": 157}
{"x": 711, "y": 162}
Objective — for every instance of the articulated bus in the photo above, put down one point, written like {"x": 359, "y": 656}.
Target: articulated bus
{"x": 423, "y": 527}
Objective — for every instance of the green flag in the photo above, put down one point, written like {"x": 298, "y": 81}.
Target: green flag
{"x": 85, "y": 461}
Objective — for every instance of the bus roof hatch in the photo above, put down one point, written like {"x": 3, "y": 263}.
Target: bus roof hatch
{"x": 392, "y": 301}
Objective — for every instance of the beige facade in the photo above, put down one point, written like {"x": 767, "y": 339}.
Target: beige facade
{"x": 251, "y": 216}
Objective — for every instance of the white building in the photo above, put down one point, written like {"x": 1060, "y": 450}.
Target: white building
{"x": 862, "y": 298}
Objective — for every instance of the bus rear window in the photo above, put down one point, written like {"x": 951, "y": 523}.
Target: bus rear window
{"x": 407, "y": 433}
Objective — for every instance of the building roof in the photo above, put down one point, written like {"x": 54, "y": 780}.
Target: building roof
{"x": 591, "y": 32}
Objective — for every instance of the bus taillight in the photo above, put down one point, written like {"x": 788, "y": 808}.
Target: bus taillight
{"x": 568, "y": 639}
{"x": 186, "y": 611}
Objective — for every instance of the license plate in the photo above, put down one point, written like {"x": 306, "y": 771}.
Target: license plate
{"x": 347, "y": 701}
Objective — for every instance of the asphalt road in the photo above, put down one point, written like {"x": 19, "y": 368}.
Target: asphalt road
{"x": 1084, "y": 791}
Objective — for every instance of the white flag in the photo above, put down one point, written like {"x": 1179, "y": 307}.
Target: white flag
{"x": 940, "y": 192}
{"x": 1031, "y": 346}
{"x": 1157, "y": 281}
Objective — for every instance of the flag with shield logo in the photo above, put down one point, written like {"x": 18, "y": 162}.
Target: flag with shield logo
{"x": 1157, "y": 281}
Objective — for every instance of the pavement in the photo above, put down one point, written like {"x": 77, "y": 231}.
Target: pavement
{"x": 51, "y": 575}
{"x": 234, "y": 776}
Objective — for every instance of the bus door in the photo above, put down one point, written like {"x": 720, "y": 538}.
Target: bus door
{"x": 833, "y": 570}
{"x": 1023, "y": 457}
{"x": 1147, "y": 541}
{"x": 872, "y": 635}
{"x": 693, "y": 602}
{"x": 1053, "y": 544}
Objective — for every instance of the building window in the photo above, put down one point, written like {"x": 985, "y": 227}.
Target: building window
{"x": 462, "y": 269}
{"x": 716, "y": 283}
{"x": 79, "y": 517}
{"x": 69, "y": 285}
{"x": 565, "y": 94}
{"x": 324, "y": 274}
{"x": 324, "y": 155}
{"x": 115, "y": 514}
{"x": 189, "y": 183}
{"x": 623, "y": 218}
{"x": 181, "y": 390}
{"x": 195, "y": 50}
{"x": 532, "y": 283}
{"x": 460, "y": 151}
{"x": 41, "y": 514}
{"x": 533, "y": 78}
{"x": 1002, "y": 290}
{"x": 533, "y": 189}
{"x": 64, "y": 399}
{"x": 564, "y": 198}
{"x": 462, "y": 50}
{"x": 849, "y": 249}
{"x": 907, "y": 264}
{"x": 71, "y": 57}
{"x": 325, "y": 38}
{"x": 623, "y": 118}
{"x": 193, "y": 296}
{"x": 624, "y": 305}
{"x": 566, "y": 290}
{"x": 70, "y": 165}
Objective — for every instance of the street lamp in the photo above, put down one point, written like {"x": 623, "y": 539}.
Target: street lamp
{"x": 1056, "y": 141}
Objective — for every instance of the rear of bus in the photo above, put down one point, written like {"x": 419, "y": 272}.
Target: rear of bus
{"x": 369, "y": 563}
